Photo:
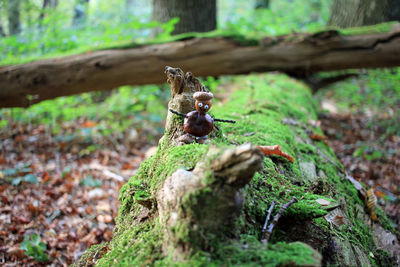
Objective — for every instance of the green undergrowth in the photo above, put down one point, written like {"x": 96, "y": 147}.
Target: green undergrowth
{"x": 259, "y": 106}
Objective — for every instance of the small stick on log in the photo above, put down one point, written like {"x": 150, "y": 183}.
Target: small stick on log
{"x": 177, "y": 113}
{"x": 264, "y": 230}
{"x": 228, "y": 121}
{"x": 267, "y": 234}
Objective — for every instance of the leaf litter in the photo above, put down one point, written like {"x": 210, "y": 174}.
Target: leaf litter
{"x": 59, "y": 195}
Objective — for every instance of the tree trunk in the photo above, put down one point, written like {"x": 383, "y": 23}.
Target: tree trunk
{"x": 45, "y": 4}
{"x": 53, "y": 4}
{"x": 355, "y": 13}
{"x": 194, "y": 15}
{"x": 2, "y": 32}
{"x": 206, "y": 204}
{"x": 262, "y": 4}
{"x": 300, "y": 54}
{"x": 14, "y": 26}
{"x": 80, "y": 13}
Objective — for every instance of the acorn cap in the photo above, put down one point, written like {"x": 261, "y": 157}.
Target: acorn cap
{"x": 203, "y": 96}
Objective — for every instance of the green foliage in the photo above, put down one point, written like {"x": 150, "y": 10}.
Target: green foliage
{"x": 34, "y": 247}
{"x": 56, "y": 34}
{"x": 113, "y": 113}
{"x": 283, "y": 17}
{"x": 19, "y": 174}
{"x": 90, "y": 181}
{"x": 368, "y": 152}
{"x": 31, "y": 178}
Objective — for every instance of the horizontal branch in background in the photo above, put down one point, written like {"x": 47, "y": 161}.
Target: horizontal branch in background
{"x": 298, "y": 54}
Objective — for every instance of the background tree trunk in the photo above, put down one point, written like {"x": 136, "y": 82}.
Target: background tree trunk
{"x": 355, "y": 13}
{"x": 53, "y": 4}
{"x": 2, "y": 32}
{"x": 14, "y": 26}
{"x": 80, "y": 13}
{"x": 262, "y": 4}
{"x": 45, "y": 4}
{"x": 194, "y": 15}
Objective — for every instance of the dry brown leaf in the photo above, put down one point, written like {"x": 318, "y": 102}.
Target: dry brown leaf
{"x": 323, "y": 202}
{"x": 104, "y": 218}
{"x": 103, "y": 206}
{"x": 16, "y": 252}
{"x": 338, "y": 220}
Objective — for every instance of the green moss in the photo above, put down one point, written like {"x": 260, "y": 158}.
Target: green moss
{"x": 251, "y": 252}
{"x": 91, "y": 255}
{"x": 379, "y": 28}
{"x": 258, "y": 111}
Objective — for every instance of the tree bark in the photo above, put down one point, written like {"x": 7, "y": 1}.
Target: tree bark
{"x": 212, "y": 200}
{"x": 355, "y": 13}
{"x": 299, "y": 54}
{"x": 80, "y": 13}
{"x": 2, "y": 32}
{"x": 262, "y": 4}
{"x": 194, "y": 15}
{"x": 14, "y": 25}
{"x": 54, "y": 4}
{"x": 45, "y": 4}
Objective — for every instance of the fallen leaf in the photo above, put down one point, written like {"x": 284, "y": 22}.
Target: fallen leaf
{"x": 16, "y": 252}
{"x": 317, "y": 137}
{"x": 323, "y": 202}
{"x": 104, "y": 218}
{"x": 88, "y": 124}
{"x": 103, "y": 206}
{"x": 338, "y": 220}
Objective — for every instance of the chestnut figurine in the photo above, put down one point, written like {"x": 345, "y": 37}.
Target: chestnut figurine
{"x": 197, "y": 122}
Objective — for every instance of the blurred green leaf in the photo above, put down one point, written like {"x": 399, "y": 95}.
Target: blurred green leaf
{"x": 32, "y": 246}
{"x": 90, "y": 181}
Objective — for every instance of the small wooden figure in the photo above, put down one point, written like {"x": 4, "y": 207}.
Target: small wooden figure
{"x": 197, "y": 122}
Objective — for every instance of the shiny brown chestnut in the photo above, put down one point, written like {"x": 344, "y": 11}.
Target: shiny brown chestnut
{"x": 198, "y": 123}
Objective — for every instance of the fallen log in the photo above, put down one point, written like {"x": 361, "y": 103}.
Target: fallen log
{"x": 205, "y": 204}
{"x": 298, "y": 54}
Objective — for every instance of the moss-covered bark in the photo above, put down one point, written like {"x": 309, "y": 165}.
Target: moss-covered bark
{"x": 261, "y": 107}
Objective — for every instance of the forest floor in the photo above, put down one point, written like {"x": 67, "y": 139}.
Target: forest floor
{"x": 361, "y": 119}
{"x": 59, "y": 192}
{"x": 344, "y": 132}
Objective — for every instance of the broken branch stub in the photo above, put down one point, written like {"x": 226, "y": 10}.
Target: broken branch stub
{"x": 183, "y": 86}
{"x": 195, "y": 205}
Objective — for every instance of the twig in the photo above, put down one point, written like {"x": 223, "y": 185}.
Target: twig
{"x": 105, "y": 171}
{"x": 228, "y": 121}
{"x": 177, "y": 113}
{"x": 271, "y": 226}
{"x": 264, "y": 230}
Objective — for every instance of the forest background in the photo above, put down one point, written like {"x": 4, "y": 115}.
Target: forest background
{"x": 63, "y": 161}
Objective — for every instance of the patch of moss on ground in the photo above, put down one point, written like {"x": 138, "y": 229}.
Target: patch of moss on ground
{"x": 258, "y": 107}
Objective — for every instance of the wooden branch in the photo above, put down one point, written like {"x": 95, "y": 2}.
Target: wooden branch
{"x": 267, "y": 234}
{"x": 269, "y": 212}
{"x": 23, "y": 85}
{"x": 316, "y": 83}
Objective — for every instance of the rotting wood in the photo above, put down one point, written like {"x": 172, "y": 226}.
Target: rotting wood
{"x": 301, "y": 54}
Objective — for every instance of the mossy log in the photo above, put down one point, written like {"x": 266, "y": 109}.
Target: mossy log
{"x": 205, "y": 204}
{"x": 213, "y": 55}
